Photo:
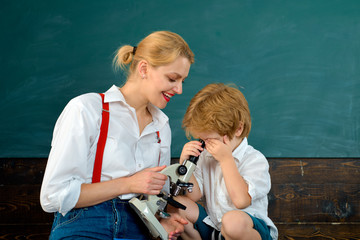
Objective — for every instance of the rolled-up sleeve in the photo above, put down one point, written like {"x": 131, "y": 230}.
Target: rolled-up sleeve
{"x": 256, "y": 174}
{"x": 74, "y": 133}
{"x": 198, "y": 174}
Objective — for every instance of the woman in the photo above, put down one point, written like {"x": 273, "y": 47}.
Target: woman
{"x": 137, "y": 145}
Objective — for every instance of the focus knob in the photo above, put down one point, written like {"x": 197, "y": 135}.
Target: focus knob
{"x": 182, "y": 170}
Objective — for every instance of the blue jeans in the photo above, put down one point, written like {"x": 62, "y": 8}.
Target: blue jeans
{"x": 108, "y": 220}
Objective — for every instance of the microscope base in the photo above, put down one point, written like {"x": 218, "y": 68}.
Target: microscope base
{"x": 148, "y": 217}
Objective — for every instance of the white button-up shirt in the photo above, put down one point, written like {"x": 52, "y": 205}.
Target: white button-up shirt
{"x": 75, "y": 137}
{"x": 253, "y": 167}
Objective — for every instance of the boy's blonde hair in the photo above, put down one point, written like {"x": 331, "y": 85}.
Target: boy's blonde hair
{"x": 158, "y": 49}
{"x": 220, "y": 108}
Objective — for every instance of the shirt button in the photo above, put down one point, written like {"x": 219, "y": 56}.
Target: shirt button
{"x": 139, "y": 165}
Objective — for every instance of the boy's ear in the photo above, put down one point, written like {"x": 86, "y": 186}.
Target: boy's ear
{"x": 239, "y": 130}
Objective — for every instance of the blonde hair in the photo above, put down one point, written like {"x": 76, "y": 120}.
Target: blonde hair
{"x": 158, "y": 49}
{"x": 220, "y": 108}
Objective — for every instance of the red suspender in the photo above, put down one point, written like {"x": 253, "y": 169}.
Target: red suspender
{"x": 102, "y": 140}
{"x": 158, "y": 136}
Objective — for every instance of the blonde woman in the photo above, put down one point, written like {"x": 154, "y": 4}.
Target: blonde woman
{"x": 91, "y": 201}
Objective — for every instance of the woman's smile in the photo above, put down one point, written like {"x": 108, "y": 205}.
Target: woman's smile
{"x": 167, "y": 96}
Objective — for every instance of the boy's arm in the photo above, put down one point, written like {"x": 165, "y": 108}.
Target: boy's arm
{"x": 235, "y": 183}
{"x": 195, "y": 195}
{"x": 192, "y": 148}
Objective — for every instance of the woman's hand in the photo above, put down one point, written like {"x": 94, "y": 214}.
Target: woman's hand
{"x": 192, "y": 148}
{"x": 148, "y": 181}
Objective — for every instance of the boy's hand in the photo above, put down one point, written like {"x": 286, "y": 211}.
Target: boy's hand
{"x": 192, "y": 148}
{"x": 174, "y": 225}
{"x": 220, "y": 150}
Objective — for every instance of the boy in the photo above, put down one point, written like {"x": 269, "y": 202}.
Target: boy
{"x": 231, "y": 175}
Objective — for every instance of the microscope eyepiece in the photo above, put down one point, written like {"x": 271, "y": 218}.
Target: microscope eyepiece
{"x": 202, "y": 143}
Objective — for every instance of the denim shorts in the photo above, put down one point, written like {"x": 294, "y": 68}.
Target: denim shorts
{"x": 207, "y": 231}
{"x": 108, "y": 220}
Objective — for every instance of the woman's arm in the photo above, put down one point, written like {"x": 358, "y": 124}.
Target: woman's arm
{"x": 148, "y": 181}
{"x": 66, "y": 170}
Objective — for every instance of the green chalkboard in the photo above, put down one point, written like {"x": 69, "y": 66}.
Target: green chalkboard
{"x": 297, "y": 62}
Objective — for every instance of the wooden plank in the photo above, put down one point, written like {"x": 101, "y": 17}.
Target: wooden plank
{"x": 25, "y": 231}
{"x": 314, "y": 202}
{"x": 22, "y": 171}
{"x": 315, "y": 170}
{"x": 21, "y": 204}
{"x": 313, "y": 231}
{"x": 309, "y": 199}
{"x": 318, "y": 231}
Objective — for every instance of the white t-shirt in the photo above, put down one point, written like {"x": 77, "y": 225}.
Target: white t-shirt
{"x": 74, "y": 143}
{"x": 253, "y": 167}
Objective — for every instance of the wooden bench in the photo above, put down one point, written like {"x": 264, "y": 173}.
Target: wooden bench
{"x": 310, "y": 198}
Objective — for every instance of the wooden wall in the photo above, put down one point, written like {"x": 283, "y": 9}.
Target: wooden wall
{"x": 21, "y": 214}
{"x": 309, "y": 199}
{"x": 315, "y": 198}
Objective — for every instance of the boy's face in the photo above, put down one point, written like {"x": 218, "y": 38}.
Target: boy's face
{"x": 234, "y": 142}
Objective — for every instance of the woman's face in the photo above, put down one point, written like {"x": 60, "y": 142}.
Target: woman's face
{"x": 163, "y": 82}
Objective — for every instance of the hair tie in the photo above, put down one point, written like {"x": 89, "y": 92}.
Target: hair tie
{"x": 134, "y": 50}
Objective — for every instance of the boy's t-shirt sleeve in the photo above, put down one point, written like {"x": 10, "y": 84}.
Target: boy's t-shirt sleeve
{"x": 199, "y": 175}
{"x": 256, "y": 173}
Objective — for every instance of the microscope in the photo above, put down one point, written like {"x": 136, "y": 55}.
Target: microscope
{"x": 147, "y": 209}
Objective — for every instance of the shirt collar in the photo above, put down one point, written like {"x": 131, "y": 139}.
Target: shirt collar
{"x": 114, "y": 95}
{"x": 240, "y": 150}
